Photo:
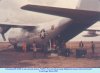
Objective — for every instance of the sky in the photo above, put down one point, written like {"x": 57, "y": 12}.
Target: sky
{"x": 10, "y": 12}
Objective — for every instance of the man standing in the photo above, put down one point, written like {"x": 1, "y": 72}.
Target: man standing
{"x": 81, "y": 52}
{"x": 34, "y": 49}
{"x": 93, "y": 47}
{"x": 81, "y": 45}
{"x": 24, "y": 46}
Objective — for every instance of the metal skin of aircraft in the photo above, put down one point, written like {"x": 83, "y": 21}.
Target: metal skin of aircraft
{"x": 78, "y": 21}
{"x": 5, "y": 27}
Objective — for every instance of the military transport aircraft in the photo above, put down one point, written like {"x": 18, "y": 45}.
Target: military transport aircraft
{"x": 79, "y": 20}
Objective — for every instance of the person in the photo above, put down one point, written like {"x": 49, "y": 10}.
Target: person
{"x": 93, "y": 47}
{"x": 54, "y": 45}
{"x": 24, "y": 46}
{"x": 44, "y": 48}
{"x": 81, "y": 52}
{"x": 16, "y": 47}
{"x": 81, "y": 45}
{"x": 66, "y": 50}
{"x": 34, "y": 48}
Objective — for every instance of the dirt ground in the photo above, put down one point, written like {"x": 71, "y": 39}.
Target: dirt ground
{"x": 9, "y": 58}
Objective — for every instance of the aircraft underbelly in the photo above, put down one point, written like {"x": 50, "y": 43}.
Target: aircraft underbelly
{"x": 74, "y": 28}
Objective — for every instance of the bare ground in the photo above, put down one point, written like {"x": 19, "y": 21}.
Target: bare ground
{"x": 12, "y": 59}
{"x": 9, "y": 58}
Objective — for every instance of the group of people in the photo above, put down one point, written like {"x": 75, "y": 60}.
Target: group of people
{"x": 44, "y": 49}
{"x": 34, "y": 47}
{"x": 81, "y": 45}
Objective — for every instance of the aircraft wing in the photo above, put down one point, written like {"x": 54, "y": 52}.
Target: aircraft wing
{"x": 81, "y": 19}
{"x": 64, "y": 12}
{"x": 92, "y": 30}
{"x": 17, "y": 25}
{"x": 5, "y": 27}
{"x": 24, "y": 26}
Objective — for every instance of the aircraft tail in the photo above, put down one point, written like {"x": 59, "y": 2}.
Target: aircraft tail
{"x": 92, "y": 5}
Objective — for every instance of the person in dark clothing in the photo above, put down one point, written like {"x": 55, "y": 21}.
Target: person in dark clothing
{"x": 93, "y": 47}
{"x": 81, "y": 45}
{"x": 81, "y": 52}
{"x": 44, "y": 48}
{"x": 15, "y": 46}
{"x": 66, "y": 51}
